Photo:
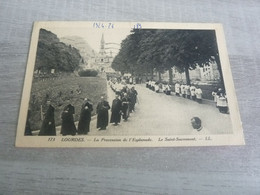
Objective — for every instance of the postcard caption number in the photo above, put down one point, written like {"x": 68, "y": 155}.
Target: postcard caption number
{"x": 51, "y": 139}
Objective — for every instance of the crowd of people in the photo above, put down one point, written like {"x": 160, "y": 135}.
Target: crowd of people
{"x": 122, "y": 106}
{"x": 192, "y": 92}
{"x": 180, "y": 89}
{"x": 68, "y": 127}
{"x": 126, "y": 98}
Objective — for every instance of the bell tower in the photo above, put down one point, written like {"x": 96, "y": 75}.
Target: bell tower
{"x": 102, "y": 46}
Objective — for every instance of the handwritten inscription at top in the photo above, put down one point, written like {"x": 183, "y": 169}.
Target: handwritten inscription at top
{"x": 137, "y": 26}
{"x": 102, "y": 25}
{"x": 110, "y": 25}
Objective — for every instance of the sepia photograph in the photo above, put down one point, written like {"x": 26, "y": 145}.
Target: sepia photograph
{"x": 128, "y": 84}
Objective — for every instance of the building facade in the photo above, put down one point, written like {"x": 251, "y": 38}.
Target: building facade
{"x": 103, "y": 59}
{"x": 206, "y": 73}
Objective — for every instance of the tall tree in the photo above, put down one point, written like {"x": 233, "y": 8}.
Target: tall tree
{"x": 208, "y": 50}
{"x": 53, "y": 54}
{"x": 147, "y": 50}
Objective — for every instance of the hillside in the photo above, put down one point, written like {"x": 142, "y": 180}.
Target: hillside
{"x": 78, "y": 42}
{"x": 54, "y": 54}
{"x": 59, "y": 91}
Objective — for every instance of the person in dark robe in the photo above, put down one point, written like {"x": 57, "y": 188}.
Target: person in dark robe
{"x": 67, "y": 125}
{"x": 48, "y": 124}
{"x": 116, "y": 110}
{"x": 102, "y": 114}
{"x": 85, "y": 117}
{"x": 28, "y": 130}
{"x": 133, "y": 97}
{"x": 125, "y": 106}
{"x": 147, "y": 83}
{"x": 123, "y": 91}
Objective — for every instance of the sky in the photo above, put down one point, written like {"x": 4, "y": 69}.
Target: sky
{"x": 92, "y": 36}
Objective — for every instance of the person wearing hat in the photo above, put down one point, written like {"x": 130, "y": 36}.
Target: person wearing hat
{"x": 116, "y": 110}
{"x": 67, "y": 125}
{"x": 48, "y": 124}
{"x": 85, "y": 117}
{"x": 102, "y": 114}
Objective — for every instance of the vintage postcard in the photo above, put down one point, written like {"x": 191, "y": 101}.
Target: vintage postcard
{"x": 128, "y": 84}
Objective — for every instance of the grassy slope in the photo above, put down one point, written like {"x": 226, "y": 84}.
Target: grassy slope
{"x": 59, "y": 90}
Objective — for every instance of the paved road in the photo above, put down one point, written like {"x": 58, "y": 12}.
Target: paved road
{"x": 159, "y": 114}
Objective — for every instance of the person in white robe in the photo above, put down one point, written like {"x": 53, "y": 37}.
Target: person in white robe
{"x": 192, "y": 92}
{"x": 198, "y": 93}
{"x": 177, "y": 89}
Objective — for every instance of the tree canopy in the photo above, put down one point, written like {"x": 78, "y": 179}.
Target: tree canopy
{"x": 53, "y": 54}
{"x": 148, "y": 50}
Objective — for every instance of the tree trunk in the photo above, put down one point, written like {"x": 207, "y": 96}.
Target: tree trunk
{"x": 187, "y": 74}
{"x": 220, "y": 72}
{"x": 170, "y": 77}
{"x": 160, "y": 76}
{"x": 152, "y": 74}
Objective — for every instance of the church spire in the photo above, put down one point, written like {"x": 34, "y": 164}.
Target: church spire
{"x": 102, "y": 42}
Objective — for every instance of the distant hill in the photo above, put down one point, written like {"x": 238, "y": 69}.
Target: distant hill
{"x": 78, "y": 42}
{"x": 54, "y": 54}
